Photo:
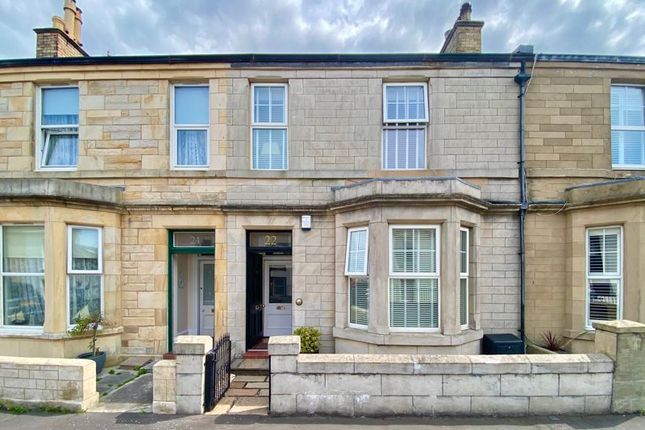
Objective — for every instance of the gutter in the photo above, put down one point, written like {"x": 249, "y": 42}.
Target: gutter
{"x": 521, "y": 79}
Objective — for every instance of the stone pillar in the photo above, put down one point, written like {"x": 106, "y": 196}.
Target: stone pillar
{"x": 449, "y": 282}
{"x": 164, "y": 383}
{"x": 191, "y": 353}
{"x": 624, "y": 342}
{"x": 284, "y": 351}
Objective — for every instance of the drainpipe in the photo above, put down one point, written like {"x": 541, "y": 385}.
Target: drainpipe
{"x": 521, "y": 79}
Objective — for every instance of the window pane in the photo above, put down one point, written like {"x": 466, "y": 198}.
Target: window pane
{"x": 357, "y": 254}
{"x": 208, "y": 287}
{"x": 191, "y": 105}
{"x": 463, "y": 251}
{"x": 628, "y": 147}
{"x": 85, "y": 249}
{"x": 604, "y": 251}
{"x": 23, "y": 299}
{"x": 404, "y": 148}
{"x": 269, "y": 148}
{"x": 84, "y": 296}
{"x": 463, "y": 301}
{"x": 414, "y": 303}
{"x": 280, "y": 284}
{"x": 405, "y": 103}
{"x": 269, "y": 104}
{"x": 603, "y": 299}
{"x": 60, "y": 147}
{"x": 627, "y": 106}
{"x": 414, "y": 251}
{"x": 358, "y": 301}
{"x": 59, "y": 106}
{"x": 191, "y": 148}
{"x": 194, "y": 238}
{"x": 23, "y": 249}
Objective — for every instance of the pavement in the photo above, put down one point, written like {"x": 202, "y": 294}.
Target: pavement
{"x": 141, "y": 421}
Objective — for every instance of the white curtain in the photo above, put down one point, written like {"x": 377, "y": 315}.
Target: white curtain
{"x": 191, "y": 148}
{"x": 84, "y": 295}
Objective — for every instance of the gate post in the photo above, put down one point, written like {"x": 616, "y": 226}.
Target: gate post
{"x": 191, "y": 353}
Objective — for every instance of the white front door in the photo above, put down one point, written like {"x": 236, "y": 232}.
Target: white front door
{"x": 276, "y": 288}
{"x": 206, "y": 298}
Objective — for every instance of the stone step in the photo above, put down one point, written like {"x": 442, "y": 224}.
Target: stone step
{"x": 252, "y": 365}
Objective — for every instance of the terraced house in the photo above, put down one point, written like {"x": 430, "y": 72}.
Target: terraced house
{"x": 397, "y": 202}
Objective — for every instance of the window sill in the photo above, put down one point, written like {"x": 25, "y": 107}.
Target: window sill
{"x": 408, "y": 338}
{"x": 40, "y": 335}
{"x": 627, "y": 167}
{"x": 56, "y": 169}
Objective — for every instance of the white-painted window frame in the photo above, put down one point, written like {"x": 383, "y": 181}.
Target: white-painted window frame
{"x": 405, "y": 124}
{"x": 10, "y": 328}
{"x": 361, "y": 274}
{"x": 620, "y": 166}
{"x": 175, "y": 128}
{"x": 40, "y": 131}
{"x": 618, "y": 276}
{"x": 71, "y": 271}
{"x": 270, "y": 125}
{"x": 464, "y": 275}
{"x": 415, "y": 275}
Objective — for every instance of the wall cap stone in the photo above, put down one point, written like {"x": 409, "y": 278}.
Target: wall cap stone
{"x": 284, "y": 345}
{"x": 192, "y": 345}
{"x": 620, "y": 326}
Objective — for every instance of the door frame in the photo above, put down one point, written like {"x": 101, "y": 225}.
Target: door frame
{"x": 172, "y": 250}
{"x": 266, "y": 261}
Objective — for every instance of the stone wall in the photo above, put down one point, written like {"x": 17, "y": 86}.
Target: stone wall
{"x": 379, "y": 385}
{"x": 69, "y": 383}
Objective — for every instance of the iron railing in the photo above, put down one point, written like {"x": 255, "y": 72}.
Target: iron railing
{"x": 217, "y": 377}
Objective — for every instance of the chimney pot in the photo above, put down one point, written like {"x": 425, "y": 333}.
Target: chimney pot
{"x": 78, "y": 23}
{"x": 70, "y": 16}
{"x": 465, "y": 12}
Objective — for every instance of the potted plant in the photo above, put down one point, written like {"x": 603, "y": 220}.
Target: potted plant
{"x": 90, "y": 325}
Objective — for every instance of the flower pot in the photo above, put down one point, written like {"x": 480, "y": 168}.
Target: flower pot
{"x": 98, "y": 359}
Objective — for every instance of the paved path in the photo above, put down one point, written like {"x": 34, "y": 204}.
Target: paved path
{"x": 136, "y": 421}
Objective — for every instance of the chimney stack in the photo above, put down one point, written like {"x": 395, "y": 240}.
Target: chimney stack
{"x": 63, "y": 38}
{"x": 465, "y": 35}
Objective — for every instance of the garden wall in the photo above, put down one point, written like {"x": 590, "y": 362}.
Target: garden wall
{"x": 69, "y": 383}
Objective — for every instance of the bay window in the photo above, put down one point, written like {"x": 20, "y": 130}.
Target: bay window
{"x": 628, "y": 126}
{"x": 84, "y": 272}
{"x": 269, "y": 127}
{"x": 22, "y": 276}
{"x": 405, "y": 118}
{"x": 414, "y": 278}
{"x": 58, "y": 128}
{"x": 604, "y": 274}
{"x": 190, "y": 126}
{"x": 464, "y": 261}
{"x": 356, "y": 271}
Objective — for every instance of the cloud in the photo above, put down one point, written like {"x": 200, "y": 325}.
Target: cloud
{"x": 139, "y": 27}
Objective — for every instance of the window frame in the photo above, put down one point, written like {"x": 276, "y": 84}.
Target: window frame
{"x": 419, "y": 275}
{"x": 40, "y": 144}
{"x": 612, "y": 127}
{"x": 465, "y": 275}
{"x": 175, "y": 128}
{"x": 362, "y": 273}
{"x": 605, "y": 276}
{"x": 270, "y": 125}
{"x": 12, "y": 328}
{"x": 405, "y": 124}
{"x": 71, "y": 271}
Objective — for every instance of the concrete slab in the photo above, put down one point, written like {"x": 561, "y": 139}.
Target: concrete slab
{"x": 250, "y": 406}
{"x": 133, "y": 363}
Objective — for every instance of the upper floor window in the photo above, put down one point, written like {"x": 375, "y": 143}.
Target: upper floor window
{"x": 58, "y": 128}
{"x": 405, "y": 116}
{"x": 628, "y": 126}
{"x": 414, "y": 278}
{"x": 84, "y": 272}
{"x": 604, "y": 274}
{"x": 22, "y": 276}
{"x": 190, "y": 126}
{"x": 269, "y": 128}
{"x": 356, "y": 270}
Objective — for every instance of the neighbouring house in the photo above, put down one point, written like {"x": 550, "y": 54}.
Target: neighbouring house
{"x": 397, "y": 202}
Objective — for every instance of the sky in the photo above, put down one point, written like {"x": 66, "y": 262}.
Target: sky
{"x": 143, "y": 27}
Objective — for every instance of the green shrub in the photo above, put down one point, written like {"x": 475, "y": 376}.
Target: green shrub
{"x": 309, "y": 339}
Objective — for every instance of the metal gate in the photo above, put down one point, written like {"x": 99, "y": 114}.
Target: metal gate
{"x": 217, "y": 373}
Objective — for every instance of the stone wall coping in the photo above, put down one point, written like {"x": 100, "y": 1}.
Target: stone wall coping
{"x": 165, "y": 363}
{"x": 60, "y": 189}
{"x": 453, "y": 364}
{"x": 192, "y": 345}
{"x": 620, "y": 326}
{"x": 8, "y": 362}
{"x": 404, "y": 339}
{"x": 284, "y": 345}
{"x": 108, "y": 331}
